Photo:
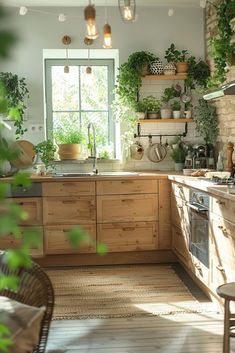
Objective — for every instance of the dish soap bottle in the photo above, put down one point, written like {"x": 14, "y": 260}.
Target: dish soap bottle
{"x": 219, "y": 165}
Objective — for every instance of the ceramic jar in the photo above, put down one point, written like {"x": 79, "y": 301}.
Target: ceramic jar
{"x": 156, "y": 67}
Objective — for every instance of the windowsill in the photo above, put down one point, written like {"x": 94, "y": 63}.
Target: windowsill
{"x": 87, "y": 161}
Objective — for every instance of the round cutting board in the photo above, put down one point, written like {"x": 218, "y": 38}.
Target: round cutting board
{"x": 26, "y": 156}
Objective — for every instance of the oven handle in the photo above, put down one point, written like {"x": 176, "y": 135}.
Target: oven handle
{"x": 198, "y": 209}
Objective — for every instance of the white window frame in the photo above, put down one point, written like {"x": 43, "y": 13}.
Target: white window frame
{"x": 83, "y": 54}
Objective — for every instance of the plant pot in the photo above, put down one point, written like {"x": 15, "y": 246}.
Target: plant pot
{"x": 141, "y": 115}
{"x": 69, "y": 151}
{"x": 179, "y": 167}
{"x": 188, "y": 114}
{"x": 181, "y": 67}
{"x": 153, "y": 115}
{"x": 166, "y": 113}
{"x": 176, "y": 114}
{"x": 145, "y": 70}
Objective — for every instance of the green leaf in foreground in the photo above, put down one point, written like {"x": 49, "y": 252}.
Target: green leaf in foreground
{"x": 5, "y": 341}
{"x": 22, "y": 180}
{"x": 78, "y": 236}
{"x": 9, "y": 282}
{"x": 18, "y": 258}
{"x": 101, "y": 249}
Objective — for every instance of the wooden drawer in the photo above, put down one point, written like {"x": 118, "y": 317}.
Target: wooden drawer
{"x": 69, "y": 188}
{"x": 222, "y": 237}
{"x": 11, "y": 242}
{"x": 180, "y": 245}
{"x": 127, "y": 186}
{"x": 180, "y": 191}
{"x": 69, "y": 210}
{"x": 121, "y": 237}
{"x": 221, "y": 272}
{"x": 57, "y": 240}
{"x": 121, "y": 208}
{"x": 33, "y": 207}
{"x": 223, "y": 207}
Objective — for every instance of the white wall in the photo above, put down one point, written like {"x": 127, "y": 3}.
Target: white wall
{"x": 154, "y": 31}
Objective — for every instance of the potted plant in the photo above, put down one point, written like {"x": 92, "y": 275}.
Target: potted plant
{"x": 198, "y": 73}
{"x": 69, "y": 143}
{"x": 16, "y": 92}
{"x": 152, "y": 106}
{"x": 141, "y": 61}
{"x": 178, "y": 155}
{"x": 140, "y": 110}
{"x": 176, "y": 107}
{"x": 188, "y": 111}
{"x": 206, "y": 123}
{"x": 178, "y": 57}
{"x": 46, "y": 151}
{"x": 168, "y": 94}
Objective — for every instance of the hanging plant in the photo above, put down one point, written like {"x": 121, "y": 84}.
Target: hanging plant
{"x": 222, "y": 48}
{"x": 16, "y": 92}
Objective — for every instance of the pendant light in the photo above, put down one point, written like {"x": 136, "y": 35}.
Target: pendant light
{"x": 66, "y": 40}
{"x": 107, "y": 43}
{"x": 88, "y": 68}
{"x": 89, "y": 15}
{"x": 127, "y": 10}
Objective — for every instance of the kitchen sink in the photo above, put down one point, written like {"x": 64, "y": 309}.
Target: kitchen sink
{"x": 75, "y": 175}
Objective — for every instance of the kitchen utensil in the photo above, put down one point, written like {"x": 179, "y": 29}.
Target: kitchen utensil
{"x": 186, "y": 96}
{"x": 137, "y": 150}
{"x": 156, "y": 152}
{"x": 27, "y": 155}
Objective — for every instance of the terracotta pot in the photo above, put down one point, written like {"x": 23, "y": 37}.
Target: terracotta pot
{"x": 69, "y": 151}
{"x": 145, "y": 70}
{"x": 153, "y": 115}
{"x": 181, "y": 67}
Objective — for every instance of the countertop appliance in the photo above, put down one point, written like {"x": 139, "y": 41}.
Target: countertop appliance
{"x": 199, "y": 230}
{"x": 227, "y": 89}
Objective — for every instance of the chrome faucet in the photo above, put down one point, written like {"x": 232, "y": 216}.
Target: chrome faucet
{"x": 93, "y": 149}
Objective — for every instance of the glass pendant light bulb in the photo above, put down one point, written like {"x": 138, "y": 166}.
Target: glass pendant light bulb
{"x": 89, "y": 14}
{"x": 127, "y": 13}
{"x": 107, "y": 36}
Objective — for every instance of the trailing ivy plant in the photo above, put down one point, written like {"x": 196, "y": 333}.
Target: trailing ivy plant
{"x": 46, "y": 150}
{"x": 206, "y": 121}
{"x": 222, "y": 48}
{"x": 16, "y": 92}
{"x": 198, "y": 73}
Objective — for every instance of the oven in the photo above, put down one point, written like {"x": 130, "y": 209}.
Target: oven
{"x": 199, "y": 225}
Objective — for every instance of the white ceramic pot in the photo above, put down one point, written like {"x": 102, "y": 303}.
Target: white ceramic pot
{"x": 179, "y": 167}
{"x": 166, "y": 113}
{"x": 188, "y": 114}
{"x": 176, "y": 114}
{"x": 141, "y": 115}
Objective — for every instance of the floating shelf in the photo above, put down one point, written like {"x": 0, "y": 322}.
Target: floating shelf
{"x": 165, "y": 77}
{"x": 159, "y": 121}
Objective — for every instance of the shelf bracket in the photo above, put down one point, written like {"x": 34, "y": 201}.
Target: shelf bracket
{"x": 161, "y": 135}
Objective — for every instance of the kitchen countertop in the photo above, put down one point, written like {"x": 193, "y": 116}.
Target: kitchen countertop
{"x": 204, "y": 185}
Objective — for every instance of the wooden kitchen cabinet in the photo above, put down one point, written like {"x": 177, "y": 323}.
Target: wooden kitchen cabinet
{"x": 223, "y": 207}
{"x": 127, "y": 214}
{"x": 66, "y": 205}
{"x": 134, "y": 236}
{"x": 165, "y": 234}
{"x": 57, "y": 240}
{"x": 180, "y": 245}
{"x": 32, "y": 206}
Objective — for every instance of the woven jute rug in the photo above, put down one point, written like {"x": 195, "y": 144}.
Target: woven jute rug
{"x": 121, "y": 291}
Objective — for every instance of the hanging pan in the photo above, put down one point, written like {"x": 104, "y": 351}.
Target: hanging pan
{"x": 156, "y": 152}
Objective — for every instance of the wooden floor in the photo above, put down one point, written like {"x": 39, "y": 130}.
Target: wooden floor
{"x": 180, "y": 333}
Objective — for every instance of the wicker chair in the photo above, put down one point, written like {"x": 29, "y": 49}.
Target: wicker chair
{"x": 35, "y": 289}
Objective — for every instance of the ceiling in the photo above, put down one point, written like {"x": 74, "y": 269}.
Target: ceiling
{"x": 67, "y": 3}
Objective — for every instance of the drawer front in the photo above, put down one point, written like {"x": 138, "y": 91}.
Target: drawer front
{"x": 180, "y": 245}
{"x": 127, "y": 186}
{"x": 180, "y": 191}
{"x": 222, "y": 237}
{"x": 57, "y": 240}
{"x": 200, "y": 270}
{"x": 11, "y": 242}
{"x": 121, "y": 208}
{"x": 33, "y": 207}
{"x": 69, "y": 188}
{"x": 221, "y": 272}
{"x": 68, "y": 210}
{"x": 120, "y": 237}
{"x": 180, "y": 214}
{"x": 223, "y": 207}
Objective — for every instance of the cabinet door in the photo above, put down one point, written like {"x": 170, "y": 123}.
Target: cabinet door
{"x": 121, "y": 237}
{"x": 180, "y": 245}
{"x": 69, "y": 188}
{"x": 121, "y": 208}
{"x": 69, "y": 210}
{"x": 11, "y": 242}
{"x": 180, "y": 191}
{"x": 165, "y": 237}
{"x": 223, "y": 207}
{"x": 127, "y": 186}
{"x": 57, "y": 240}
{"x": 180, "y": 215}
{"x": 33, "y": 207}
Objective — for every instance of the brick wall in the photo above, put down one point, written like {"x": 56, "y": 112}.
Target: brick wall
{"x": 226, "y": 105}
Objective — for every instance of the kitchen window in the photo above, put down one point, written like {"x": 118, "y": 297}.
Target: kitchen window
{"x": 76, "y": 98}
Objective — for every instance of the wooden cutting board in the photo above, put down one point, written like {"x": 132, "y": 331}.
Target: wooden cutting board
{"x": 26, "y": 156}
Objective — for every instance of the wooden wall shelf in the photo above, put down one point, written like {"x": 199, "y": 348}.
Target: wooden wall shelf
{"x": 160, "y": 121}
{"x": 165, "y": 77}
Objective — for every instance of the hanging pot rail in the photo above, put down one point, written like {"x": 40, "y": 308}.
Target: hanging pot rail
{"x": 160, "y": 135}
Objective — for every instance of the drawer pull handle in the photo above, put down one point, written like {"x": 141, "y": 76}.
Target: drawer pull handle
{"x": 220, "y": 227}
{"x": 126, "y": 182}
{"x": 180, "y": 187}
{"x": 220, "y": 202}
{"x": 128, "y": 229}
{"x": 180, "y": 207}
{"x": 68, "y": 201}
{"x": 198, "y": 266}
{"x": 68, "y": 184}
{"x": 127, "y": 200}
{"x": 220, "y": 268}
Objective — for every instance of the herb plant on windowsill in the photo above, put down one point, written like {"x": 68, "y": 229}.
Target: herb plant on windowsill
{"x": 46, "y": 151}
{"x": 69, "y": 142}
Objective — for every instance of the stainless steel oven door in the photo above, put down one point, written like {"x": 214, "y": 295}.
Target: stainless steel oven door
{"x": 198, "y": 237}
